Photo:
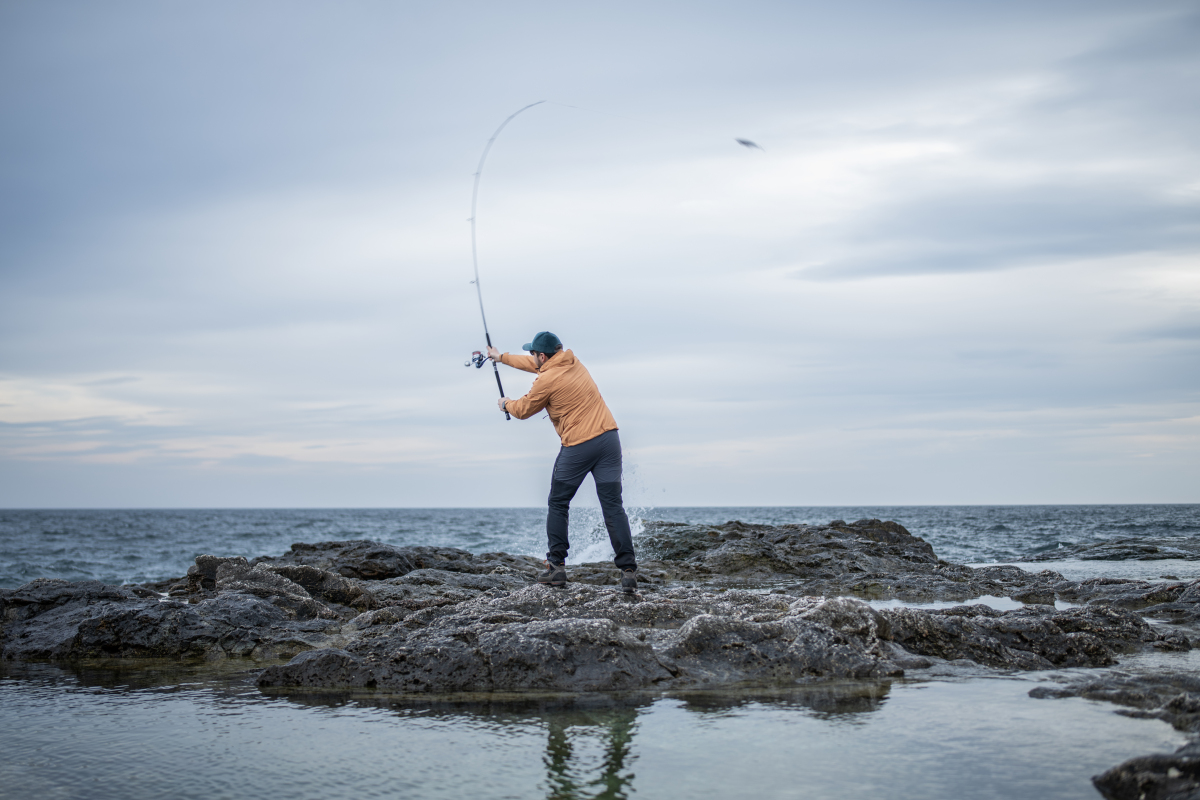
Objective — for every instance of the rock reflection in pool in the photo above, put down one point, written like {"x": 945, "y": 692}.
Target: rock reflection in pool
{"x": 141, "y": 734}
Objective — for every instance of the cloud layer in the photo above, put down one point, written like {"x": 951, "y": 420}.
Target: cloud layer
{"x": 235, "y": 263}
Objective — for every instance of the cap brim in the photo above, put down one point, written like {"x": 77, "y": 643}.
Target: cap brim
{"x": 527, "y": 346}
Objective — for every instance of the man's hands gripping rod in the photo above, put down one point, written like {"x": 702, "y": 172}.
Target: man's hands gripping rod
{"x": 494, "y": 354}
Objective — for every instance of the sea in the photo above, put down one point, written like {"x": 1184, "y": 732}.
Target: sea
{"x": 134, "y": 729}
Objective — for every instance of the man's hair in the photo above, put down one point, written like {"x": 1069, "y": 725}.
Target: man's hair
{"x": 547, "y": 355}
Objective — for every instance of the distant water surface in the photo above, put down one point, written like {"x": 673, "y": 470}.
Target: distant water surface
{"x": 131, "y": 546}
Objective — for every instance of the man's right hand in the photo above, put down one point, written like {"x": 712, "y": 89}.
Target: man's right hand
{"x": 493, "y": 353}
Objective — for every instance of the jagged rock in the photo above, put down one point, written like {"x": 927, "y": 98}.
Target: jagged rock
{"x": 561, "y": 655}
{"x": 369, "y": 560}
{"x": 1186, "y": 548}
{"x": 870, "y": 559}
{"x": 442, "y": 619}
{"x": 202, "y": 575}
{"x": 44, "y": 594}
{"x": 586, "y": 639}
{"x": 304, "y": 590}
{"x": 1132, "y": 594}
{"x": 705, "y": 638}
{"x": 712, "y": 650}
{"x": 380, "y": 616}
{"x": 326, "y": 586}
{"x": 1158, "y": 777}
{"x": 57, "y": 620}
{"x": 1036, "y": 637}
{"x": 262, "y": 581}
{"x": 793, "y": 550}
{"x": 425, "y": 588}
{"x": 850, "y": 617}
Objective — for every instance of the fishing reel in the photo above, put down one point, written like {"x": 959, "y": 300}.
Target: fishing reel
{"x": 478, "y": 358}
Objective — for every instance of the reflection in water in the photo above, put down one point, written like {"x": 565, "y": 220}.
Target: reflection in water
{"x": 568, "y": 775}
{"x": 590, "y": 740}
{"x": 842, "y": 702}
{"x": 571, "y": 734}
{"x": 152, "y": 730}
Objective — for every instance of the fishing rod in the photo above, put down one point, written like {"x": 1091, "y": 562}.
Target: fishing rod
{"x": 478, "y": 358}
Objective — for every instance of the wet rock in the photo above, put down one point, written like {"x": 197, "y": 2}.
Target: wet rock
{"x": 850, "y": 617}
{"x": 1171, "y": 696}
{"x": 262, "y": 581}
{"x": 1132, "y": 594}
{"x": 1186, "y": 548}
{"x": 380, "y": 616}
{"x": 57, "y": 620}
{"x": 870, "y": 559}
{"x": 1036, "y": 595}
{"x": 706, "y": 638}
{"x": 458, "y": 580}
{"x": 1036, "y": 637}
{"x": 326, "y": 586}
{"x": 1157, "y": 777}
{"x": 559, "y": 655}
{"x": 712, "y": 650}
{"x": 304, "y": 590}
{"x": 585, "y": 638}
{"x": 202, "y": 575}
{"x": 426, "y": 588}
{"x": 876, "y": 560}
{"x": 44, "y": 594}
{"x": 369, "y": 560}
{"x": 718, "y": 605}
{"x": 737, "y": 548}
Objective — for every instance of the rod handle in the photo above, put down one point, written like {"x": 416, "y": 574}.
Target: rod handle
{"x": 500, "y": 386}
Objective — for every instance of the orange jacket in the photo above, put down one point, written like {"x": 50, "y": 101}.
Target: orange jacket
{"x": 565, "y": 389}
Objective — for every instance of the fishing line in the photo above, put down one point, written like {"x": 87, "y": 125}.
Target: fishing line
{"x": 478, "y": 358}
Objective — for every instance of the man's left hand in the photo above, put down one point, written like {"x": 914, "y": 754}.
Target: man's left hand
{"x": 503, "y": 400}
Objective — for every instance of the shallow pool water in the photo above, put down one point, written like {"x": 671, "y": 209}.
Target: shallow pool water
{"x": 991, "y": 601}
{"x": 104, "y": 733}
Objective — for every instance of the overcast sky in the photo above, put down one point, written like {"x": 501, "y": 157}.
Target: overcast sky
{"x": 964, "y": 267}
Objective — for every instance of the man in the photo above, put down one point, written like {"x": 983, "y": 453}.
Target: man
{"x": 590, "y": 443}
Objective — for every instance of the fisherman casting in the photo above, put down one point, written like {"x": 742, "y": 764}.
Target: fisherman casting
{"x": 590, "y": 443}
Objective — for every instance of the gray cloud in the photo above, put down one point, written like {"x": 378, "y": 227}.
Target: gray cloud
{"x": 1002, "y": 229}
{"x": 1100, "y": 163}
{"x": 234, "y": 261}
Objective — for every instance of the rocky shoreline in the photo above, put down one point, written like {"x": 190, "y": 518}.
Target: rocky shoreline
{"x": 719, "y": 606}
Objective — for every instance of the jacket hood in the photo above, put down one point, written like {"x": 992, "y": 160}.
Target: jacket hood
{"x": 560, "y": 360}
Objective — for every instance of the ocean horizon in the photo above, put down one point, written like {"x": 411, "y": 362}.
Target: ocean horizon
{"x": 145, "y": 545}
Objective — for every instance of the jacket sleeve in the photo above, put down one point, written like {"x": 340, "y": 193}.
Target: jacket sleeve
{"x": 533, "y": 402}
{"x": 527, "y": 363}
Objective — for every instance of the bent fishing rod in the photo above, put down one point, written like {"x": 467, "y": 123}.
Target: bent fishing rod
{"x": 478, "y": 358}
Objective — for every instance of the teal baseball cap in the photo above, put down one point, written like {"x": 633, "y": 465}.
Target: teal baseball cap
{"x": 545, "y": 342}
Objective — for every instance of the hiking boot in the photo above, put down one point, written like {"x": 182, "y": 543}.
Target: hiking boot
{"x": 555, "y": 575}
{"x": 629, "y": 581}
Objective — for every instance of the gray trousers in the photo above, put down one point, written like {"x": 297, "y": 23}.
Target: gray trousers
{"x": 600, "y": 456}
